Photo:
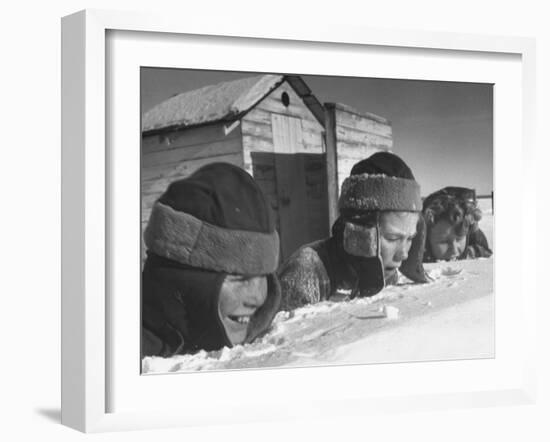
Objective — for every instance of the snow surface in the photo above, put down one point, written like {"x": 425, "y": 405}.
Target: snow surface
{"x": 452, "y": 317}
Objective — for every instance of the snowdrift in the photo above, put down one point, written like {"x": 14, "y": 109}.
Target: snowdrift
{"x": 452, "y": 317}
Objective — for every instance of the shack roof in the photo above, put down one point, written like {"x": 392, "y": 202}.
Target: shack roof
{"x": 225, "y": 101}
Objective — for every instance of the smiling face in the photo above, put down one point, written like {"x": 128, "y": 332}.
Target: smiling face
{"x": 397, "y": 229}
{"x": 445, "y": 242}
{"x": 240, "y": 297}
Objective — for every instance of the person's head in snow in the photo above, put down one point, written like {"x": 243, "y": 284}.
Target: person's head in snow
{"x": 379, "y": 231}
{"x": 212, "y": 250}
{"x": 452, "y": 217}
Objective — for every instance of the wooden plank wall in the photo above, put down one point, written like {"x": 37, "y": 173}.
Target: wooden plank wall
{"x": 314, "y": 165}
{"x": 258, "y": 136}
{"x": 317, "y": 196}
{"x": 259, "y": 152}
{"x": 358, "y": 136}
{"x": 256, "y": 124}
{"x": 175, "y": 155}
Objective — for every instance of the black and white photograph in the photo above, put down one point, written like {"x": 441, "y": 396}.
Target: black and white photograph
{"x": 295, "y": 220}
{"x": 243, "y": 221}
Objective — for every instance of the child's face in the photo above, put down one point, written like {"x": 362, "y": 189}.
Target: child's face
{"x": 397, "y": 229}
{"x": 240, "y": 297}
{"x": 444, "y": 242}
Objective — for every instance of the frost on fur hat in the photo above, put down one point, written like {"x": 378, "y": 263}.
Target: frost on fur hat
{"x": 381, "y": 182}
{"x": 216, "y": 219}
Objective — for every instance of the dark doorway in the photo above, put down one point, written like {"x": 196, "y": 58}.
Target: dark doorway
{"x": 296, "y": 186}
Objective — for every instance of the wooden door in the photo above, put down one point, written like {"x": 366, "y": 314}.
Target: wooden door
{"x": 291, "y": 184}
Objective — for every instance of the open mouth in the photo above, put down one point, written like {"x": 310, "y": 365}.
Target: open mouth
{"x": 243, "y": 320}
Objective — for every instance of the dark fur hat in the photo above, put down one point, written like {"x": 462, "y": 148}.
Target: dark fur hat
{"x": 216, "y": 219}
{"x": 215, "y": 222}
{"x": 381, "y": 182}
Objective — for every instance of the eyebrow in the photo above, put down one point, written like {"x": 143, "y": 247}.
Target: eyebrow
{"x": 397, "y": 232}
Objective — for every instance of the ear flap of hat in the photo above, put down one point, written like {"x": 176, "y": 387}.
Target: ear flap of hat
{"x": 412, "y": 267}
{"x": 361, "y": 240}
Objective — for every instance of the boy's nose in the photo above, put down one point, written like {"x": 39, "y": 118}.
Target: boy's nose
{"x": 402, "y": 252}
{"x": 255, "y": 292}
{"x": 454, "y": 248}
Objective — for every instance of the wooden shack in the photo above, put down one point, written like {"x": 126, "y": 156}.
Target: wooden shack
{"x": 274, "y": 128}
{"x": 270, "y": 125}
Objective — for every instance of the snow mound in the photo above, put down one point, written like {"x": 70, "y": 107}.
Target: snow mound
{"x": 212, "y": 103}
{"x": 316, "y": 334}
{"x": 451, "y": 317}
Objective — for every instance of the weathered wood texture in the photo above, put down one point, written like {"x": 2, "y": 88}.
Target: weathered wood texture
{"x": 291, "y": 193}
{"x": 331, "y": 163}
{"x": 362, "y": 121}
{"x": 291, "y": 171}
{"x": 296, "y": 187}
{"x": 317, "y": 199}
{"x": 357, "y": 136}
{"x": 263, "y": 170}
{"x": 188, "y": 137}
{"x": 278, "y": 158}
{"x": 257, "y": 124}
{"x": 175, "y": 155}
{"x": 287, "y": 134}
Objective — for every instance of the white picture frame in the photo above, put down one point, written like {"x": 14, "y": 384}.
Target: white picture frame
{"x": 90, "y": 369}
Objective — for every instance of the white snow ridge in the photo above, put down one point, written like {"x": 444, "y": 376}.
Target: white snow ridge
{"x": 452, "y": 317}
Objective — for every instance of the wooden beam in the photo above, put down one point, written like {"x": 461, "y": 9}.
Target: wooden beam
{"x": 332, "y": 164}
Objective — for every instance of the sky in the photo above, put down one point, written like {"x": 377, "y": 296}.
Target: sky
{"x": 443, "y": 130}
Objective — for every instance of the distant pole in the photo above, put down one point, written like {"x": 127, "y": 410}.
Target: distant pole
{"x": 493, "y": 202}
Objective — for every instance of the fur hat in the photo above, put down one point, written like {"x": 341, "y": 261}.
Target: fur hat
{"x": 381, "y": 182}
{"x": 216, "y": 219}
